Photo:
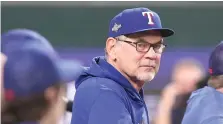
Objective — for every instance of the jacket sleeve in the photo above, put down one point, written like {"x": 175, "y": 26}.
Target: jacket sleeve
{"x": 109, "y": 108}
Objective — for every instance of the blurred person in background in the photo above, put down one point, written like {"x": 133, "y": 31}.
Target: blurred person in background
{"x": 16, "y": 39}
{"x": 205, "y": 105}
{"x": 186, "y": 75}
{"x": 111, "y": 90}
{"x": 34, "y": 85}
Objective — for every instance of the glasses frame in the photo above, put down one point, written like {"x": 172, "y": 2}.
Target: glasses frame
{"x": 136, "y": 45}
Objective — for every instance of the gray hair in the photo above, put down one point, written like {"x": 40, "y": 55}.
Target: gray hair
{"x": 118, "y": 37}
{"x": 216, "y": 81}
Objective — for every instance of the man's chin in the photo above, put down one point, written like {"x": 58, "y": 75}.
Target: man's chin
{"x": 146, "y": 76}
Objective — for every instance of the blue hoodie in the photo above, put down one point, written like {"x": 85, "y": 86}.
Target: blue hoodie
{"x": 105, "y": 96}
{"x": 205, "y": 106}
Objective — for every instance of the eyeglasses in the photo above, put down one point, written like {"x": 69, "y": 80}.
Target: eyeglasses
{"x": 143, "y": 46}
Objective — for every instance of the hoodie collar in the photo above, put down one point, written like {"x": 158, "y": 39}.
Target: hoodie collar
{"x": 101, "y": 68}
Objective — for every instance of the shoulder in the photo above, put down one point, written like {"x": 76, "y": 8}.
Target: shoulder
{"x": 204, "y": 104}
{"x": 97, "y": 89}
{"x": 92, "y": 88}
{"x": 213, "y": 120}
{"x": 98, "y": 84}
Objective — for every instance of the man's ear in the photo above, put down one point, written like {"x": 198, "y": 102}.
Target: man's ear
{"x": 110, "y": 48}
{"x": 51, "y": 94}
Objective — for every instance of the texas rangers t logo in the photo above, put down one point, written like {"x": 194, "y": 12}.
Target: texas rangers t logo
{"x": 149, "y": 15}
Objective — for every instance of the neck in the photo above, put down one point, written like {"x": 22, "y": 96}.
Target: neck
{"x": 220, "y": 90}
{"x": 54, "y": 113}
{"x": 49, "y": 118}
{"x": 133, "y": 81}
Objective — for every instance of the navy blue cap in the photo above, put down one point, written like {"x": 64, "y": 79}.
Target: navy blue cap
{"x": 16, "y": 38}
{"x": 33, "y": 69}
{"x": 137, "y": 20}
{"x": 216, "y": 61}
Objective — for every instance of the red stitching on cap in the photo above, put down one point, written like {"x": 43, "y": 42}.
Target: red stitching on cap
{"x": 9, "y": 95}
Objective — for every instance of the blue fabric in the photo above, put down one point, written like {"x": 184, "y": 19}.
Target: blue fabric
{"x": 205, "y": 106}
{"x": 137, "y": 20}
{"x": 104, "y": 96}
{"x": 33, "y": 68}
{"x": 16, "y": 38}
{"x": 213, "y": 120}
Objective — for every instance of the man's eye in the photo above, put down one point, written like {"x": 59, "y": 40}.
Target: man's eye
{"x": 142, "y": 45}
{"x": 157, "y": 46}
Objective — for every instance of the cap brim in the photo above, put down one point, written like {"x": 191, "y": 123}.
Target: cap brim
{"x": 69, "y": 70}
{"x": 165, "y": 32}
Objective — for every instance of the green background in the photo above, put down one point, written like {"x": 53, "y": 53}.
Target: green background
{"x": 88, "y": 26}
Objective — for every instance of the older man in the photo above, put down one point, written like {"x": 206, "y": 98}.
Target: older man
{"x": 110, "y": 91}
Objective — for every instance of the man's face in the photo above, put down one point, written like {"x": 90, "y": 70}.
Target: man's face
{"x": 187, "y": 77}
{"x": 141, "y": 66}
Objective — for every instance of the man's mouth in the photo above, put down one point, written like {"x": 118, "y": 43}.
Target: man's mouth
{"x": 148, "y": 66}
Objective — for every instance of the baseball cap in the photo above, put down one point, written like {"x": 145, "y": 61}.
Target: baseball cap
{"x": 216, "y": 60}
{"x": 33, "y": 69}
{"x": 16, "y": 38}
{"x": 137, "y": 20}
